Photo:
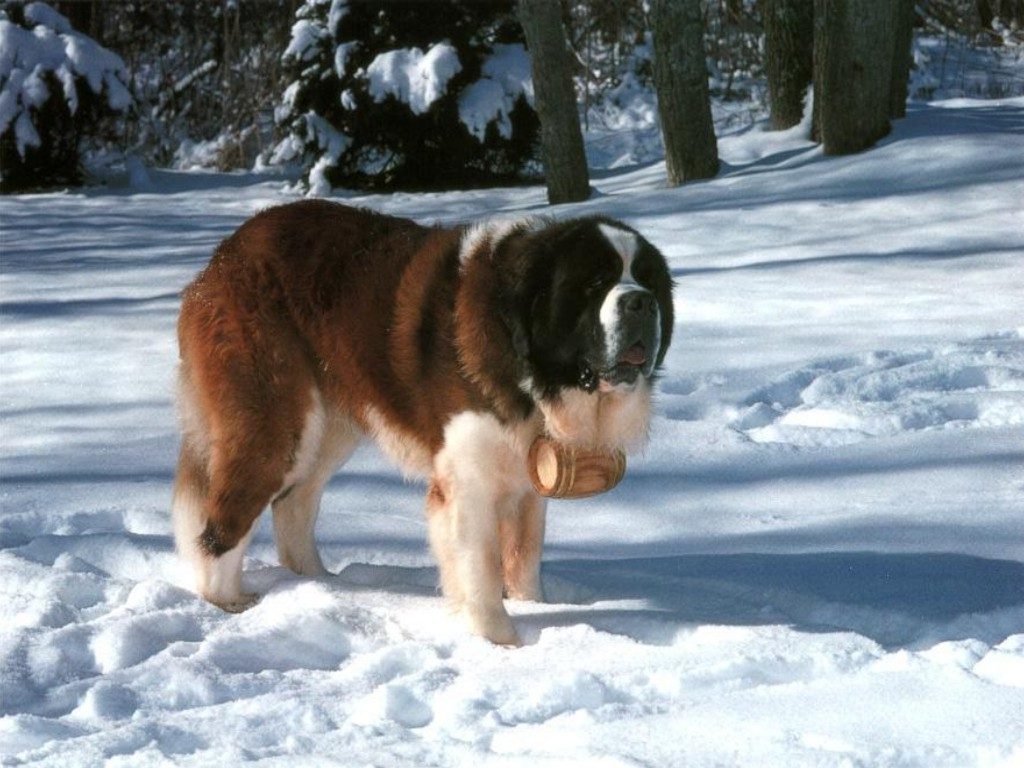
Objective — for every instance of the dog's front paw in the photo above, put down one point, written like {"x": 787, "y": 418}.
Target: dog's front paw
{"x": 242, "y": 602}
{"x": 494, "y": 625}
{"x": 528, "y": 590}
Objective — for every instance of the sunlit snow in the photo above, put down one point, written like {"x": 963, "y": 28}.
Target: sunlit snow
{"x": 818, "y": 560}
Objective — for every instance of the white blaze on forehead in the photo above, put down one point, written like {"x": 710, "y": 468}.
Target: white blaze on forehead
{"x": 609, "y": 313}
{"x": 625, "y": 244}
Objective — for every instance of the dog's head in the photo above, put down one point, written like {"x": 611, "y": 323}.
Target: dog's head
{"x": 587, "y": 306}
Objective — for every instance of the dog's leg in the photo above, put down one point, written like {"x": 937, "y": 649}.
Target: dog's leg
{"x": 463, "y": 529}
{"x": 221, "y": 490}
{"x": 522, "y": 539}
{"x": 442, "y": 538}
{"x": 221, "y": 578}
{"x": 462, "y": 512}
{"x": 251, "y": 403}
{"x": 240, "y": 489}
{"x": 295, "y": 513}
{"x": 218, "y": 574}
{"x": 297, "y": 506}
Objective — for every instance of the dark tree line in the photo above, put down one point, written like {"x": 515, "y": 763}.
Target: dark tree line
{"x": 681, "y": 81}
{"x": 857, "y": 53}
{"x": 219, "y": 70}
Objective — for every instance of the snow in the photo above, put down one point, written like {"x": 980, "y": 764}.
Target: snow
{"x": 818, "y": 561}
{"x": 103, "y": 70}
{"x": 341, "y": 54}
{"x": 194, "y": 155}
{"x": 504, "y": 77}
{"x": 26, "y": 56}
{"x": 331, "y": 142}
{"x": 339, "y": 10}
{"x": 951, "y": 66}
{"x": 25, "y": 134}
{"x": 43, "y": 15}
{"x": 412, "y": 76}
{"x": 883, "y": 393}
{"x": 306, "y": 37}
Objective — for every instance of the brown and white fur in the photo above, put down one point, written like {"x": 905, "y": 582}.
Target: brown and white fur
{"x": 316, "y": 325}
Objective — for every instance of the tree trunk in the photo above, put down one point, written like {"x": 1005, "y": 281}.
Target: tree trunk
{"x": 903, "y": 55}
{"x": 734, "y": 11}
{"x": 565, "y": 164}
{"x": 1012, "y": 12}
{"x": 854, "y": 43}
{"x": 985, "y": 14}
{"x": 789, "y": 54}
{"x": 681, "y": 80}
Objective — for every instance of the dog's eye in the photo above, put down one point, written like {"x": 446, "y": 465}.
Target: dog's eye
{"x": 643, "y": 272}
{"x": 594, "y": 285}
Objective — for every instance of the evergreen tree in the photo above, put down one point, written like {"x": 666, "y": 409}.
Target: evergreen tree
{"x": 55, "y": 85}
{"x": 409, "y": 95}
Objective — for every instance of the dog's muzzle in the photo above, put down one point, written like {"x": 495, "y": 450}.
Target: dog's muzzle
{"x": 632, "y": 324}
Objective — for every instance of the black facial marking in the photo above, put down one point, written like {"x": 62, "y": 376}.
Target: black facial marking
{"x": 588, "y": 379}
{"x": 567, "y": 270}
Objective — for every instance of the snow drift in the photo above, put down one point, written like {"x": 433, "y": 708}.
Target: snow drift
{"x": 817, "y": 562}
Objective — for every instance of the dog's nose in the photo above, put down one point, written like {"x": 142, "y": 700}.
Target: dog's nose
{"x": 639, "y": 303}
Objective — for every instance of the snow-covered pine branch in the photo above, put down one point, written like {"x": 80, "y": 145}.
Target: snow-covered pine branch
{"x": 425, "y": 96}
{"x": 54, "y": 81}
{"x": 206, "y": 68}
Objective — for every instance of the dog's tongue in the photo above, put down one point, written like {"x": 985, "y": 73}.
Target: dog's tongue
{"x": 635, "y": 355}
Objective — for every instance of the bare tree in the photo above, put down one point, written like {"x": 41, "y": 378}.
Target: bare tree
{"x": 681, "y": 80}
{"x": 902, "y": 58}
{"x": 1012, "y": 12}
{"x": 565, "y": 164}
{"x": 853, "y": 64}
{"x": 789, "y": 49}
{"x": 985, "y": 13}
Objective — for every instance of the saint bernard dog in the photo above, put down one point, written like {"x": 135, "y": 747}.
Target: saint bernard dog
{"x": 316, "y": 324}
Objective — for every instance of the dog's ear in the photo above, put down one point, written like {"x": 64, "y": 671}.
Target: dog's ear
{"x": 657, "y": 275}
{"x": 515, "y": 304}
{"x": 517, "y": 332}
{"x": 491, "y": 336}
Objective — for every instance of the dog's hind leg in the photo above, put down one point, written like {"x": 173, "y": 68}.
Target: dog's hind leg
{"x": 296, "y": 507}
{"x": 242, "y": 481}
{"x": 245, "y": 425}
{"x": 216, "y": 564}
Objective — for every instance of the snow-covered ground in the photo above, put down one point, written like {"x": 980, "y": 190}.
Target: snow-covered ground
{"x": 819, "y": 560}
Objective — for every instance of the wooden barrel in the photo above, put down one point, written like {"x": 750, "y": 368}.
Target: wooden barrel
{"x": 560, "y": 471}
